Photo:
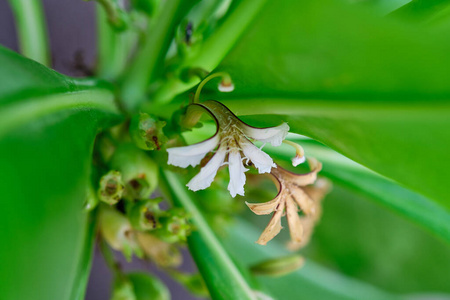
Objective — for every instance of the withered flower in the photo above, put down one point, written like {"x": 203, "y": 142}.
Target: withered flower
{"x": 294, "y": 194}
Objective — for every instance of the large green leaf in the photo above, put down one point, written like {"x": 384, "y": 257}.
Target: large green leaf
{"x": 48, "y": 124}
{"x": 388, "y": 193}
{"x": 375, "y": 90}
{"x": 311, "y": 282}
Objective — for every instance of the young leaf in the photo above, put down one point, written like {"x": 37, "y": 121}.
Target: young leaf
{"x": 48, "y": 123}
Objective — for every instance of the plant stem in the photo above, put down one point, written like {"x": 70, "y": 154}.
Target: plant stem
{"x": 147, "y": 63}
{"x": 113, "y": 47}
{"x": 223, "y": 278}
{"x": 31, "y": 29}
{"x": 214, "y": 49}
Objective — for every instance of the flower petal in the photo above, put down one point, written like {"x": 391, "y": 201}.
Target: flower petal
{"x": 264, "y": 208}
{"x": 260, "y": 159}
{"x": 193, "y": 154}
{"x": 273, "y": 135}
{"x": 206, "y": 175}
{"x": 295, "y": 226}
{"x": 237, "y": 176}
{"x": 274, "y": 226}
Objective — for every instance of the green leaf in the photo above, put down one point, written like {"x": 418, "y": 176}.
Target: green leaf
{"x": 422, "y": 10}
{"x": 388, "y": 193}
{"x": 310, "y": 282}
{"x": 222, "y": 277}
{"x": 366, "y": 87}
{"x": 48, "y": 123}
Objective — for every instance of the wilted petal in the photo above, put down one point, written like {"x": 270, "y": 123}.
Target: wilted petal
{"x": 273, "y": 135}
{"x": 274, "y": 226}
{"x": 260, "y": 159}
{"x": 295, "y": 226}
{"x": 206, "y": 176}
{"x": 193, "y": 154}
{"x": 305, "y": 203}
{"x": 264, "y": 208}
{"x": 237, "y": 176}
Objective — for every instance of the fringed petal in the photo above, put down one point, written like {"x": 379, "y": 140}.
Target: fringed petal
{"x": 193, "y": 154}
{"x": 262, "y": 161}
{"x": 237, "y": 174}
{"x": 273, "y": 135}
{"x": 206, "y": 176}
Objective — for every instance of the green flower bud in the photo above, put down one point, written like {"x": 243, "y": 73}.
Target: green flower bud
{"x": 144, "y": 215}
{"x": 139, "y": 172}
{"x": 162, "y": 253}
{"x": 91, "y": 201}
{"x": 118, "y": 233}
{"x": 279, "y": 266}
{"x": 123, "y": 290}
{"x": 147, "y": 132}
{"x": 175, "y": 227}
{"x": 147, "y": 287}
{"x": 192, "y": 282}
{"x": 111, "y": 187}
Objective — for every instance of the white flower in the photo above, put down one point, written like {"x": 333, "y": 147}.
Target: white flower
{"x": 232, "y": 139}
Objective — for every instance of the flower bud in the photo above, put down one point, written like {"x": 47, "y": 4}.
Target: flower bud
{"x": 118, "y": 233}
{"x": 147, "y": 132}
{"x": 175, "y": 227}
{"x": 162, "y": 253}
{"x": 144, "y": 215}
{"x": 139, "y": 172}
{"x": 148, "y": 287}
{"x": 278, "y": 266}
{"x": 91, "y": 201}
{"x": 111, "y": 187}
{"x": 123, "y": 290}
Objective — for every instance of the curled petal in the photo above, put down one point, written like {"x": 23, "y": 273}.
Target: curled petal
{"x": 263, "y": 208}
{"x": 193, "y": 154}
{"x": 305, "y": 203}
{"x": 274, "y": 226}
{"x": 300, "y": 179}
{"x": 237, "y": 176}
{"x": 262, "y": 161}
{"x": 206, "y": 176}
{"x": 295, "y": 226}
{"x": 273, "y": 135}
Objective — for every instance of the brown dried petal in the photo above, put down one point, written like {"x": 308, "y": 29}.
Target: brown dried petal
{"x": 295, "y": 226}
{"x": 274, "y": 226}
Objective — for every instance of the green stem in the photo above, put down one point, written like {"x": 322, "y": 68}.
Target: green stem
{"x": 31, "y": 29}
{"x": 221, "y": 275}
{"x": 214, "y": 49}
{"x": 149, "y": 59}
{"x": 113, "y": 47}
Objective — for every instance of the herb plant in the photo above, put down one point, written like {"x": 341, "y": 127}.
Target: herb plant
{"x": 330, "y": 116}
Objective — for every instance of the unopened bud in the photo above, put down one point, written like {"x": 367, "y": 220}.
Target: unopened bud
{"x": 139, "y": 172}
{"x": 278, "y": 266}
{"x": 91, "y": 201}
{"x": 148, "y": 287}
{"x": 117, "y": 232}
{"x": 161, "y": 252}
{"x": 123, "y": 290}
{"x": 299, "y": 157}
{"x": 147, "y": 132}
{"x": 111, "y": 187}
{"x": 175, "y": 227}
{"x": 144, "y": 215}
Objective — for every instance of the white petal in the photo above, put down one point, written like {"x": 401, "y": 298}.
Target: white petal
{"x": 237, "y": 176}
{"x": 273, "y": 135}
{"x": 260, "y": 159}
{"x": 206, "y": 176}
{"x": 193, "y": 154}
{"x": 298, "y": 160}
